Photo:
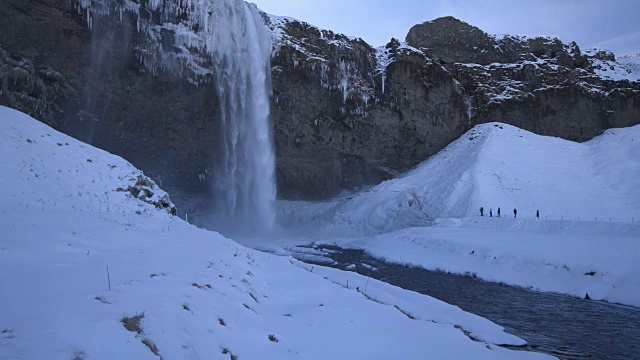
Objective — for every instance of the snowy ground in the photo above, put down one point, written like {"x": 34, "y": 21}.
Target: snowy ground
{"x": 183, "y": 292}
{"x": 587, "y": 240}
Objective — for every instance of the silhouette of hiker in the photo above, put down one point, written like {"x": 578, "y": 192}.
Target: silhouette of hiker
{"x": 538, "y": 214}
{"x": 490, "y": 212}
{"x": 481, "y": 211}
{"x": 515, "y": 213}
{"x": 498, "y": 212}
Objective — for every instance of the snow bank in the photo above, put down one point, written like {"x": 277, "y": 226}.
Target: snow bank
{"x": 577, "y": 259}
{"x": 91, "y": 272}
{"x": 585, "y": 242}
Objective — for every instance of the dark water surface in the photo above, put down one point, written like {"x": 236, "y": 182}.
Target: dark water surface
{"x": 566, "y": 327}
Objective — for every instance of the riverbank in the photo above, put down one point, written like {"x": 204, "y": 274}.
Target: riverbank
{"x": 595, "y": 259}
{"x": 562, "y": 326}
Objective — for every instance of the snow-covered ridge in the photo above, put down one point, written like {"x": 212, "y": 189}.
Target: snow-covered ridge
{"x": 386, "y": 55}
{"x": 278, "y": 25}
{"x": 501, "y": 39}
{"x": 90, "y": 272}
{"x": 502, "y": 82}
{"x": 65, "y": 174}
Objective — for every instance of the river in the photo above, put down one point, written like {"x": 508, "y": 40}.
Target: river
{"x": 563, "y": 326}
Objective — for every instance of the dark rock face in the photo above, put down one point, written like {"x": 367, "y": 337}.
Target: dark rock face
{"x": 537, "y": 84}
{"x": 337, "y": 129}
{"x": 453, "y": 41}
{"x": 27, "y": 88}
{"x": 344, "y": 114}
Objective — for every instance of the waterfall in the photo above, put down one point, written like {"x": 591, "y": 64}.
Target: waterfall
{"x": 236, "y": 45}
{"x": 241, "y": 45}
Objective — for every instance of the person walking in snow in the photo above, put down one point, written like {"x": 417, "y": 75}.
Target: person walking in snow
{"x": 481, "y": 211}
{"x": 515, "y": 213}
{"x": 490, "y": 212}
{"x": 538, "y": 214}
{"x": 498, "y": 212}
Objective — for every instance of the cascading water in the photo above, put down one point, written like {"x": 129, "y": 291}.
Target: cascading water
{"x": 233, "y": 35}
{"x": 241, "y": 48}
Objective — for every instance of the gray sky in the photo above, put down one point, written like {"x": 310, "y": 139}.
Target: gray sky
{"x": 609, "y": 24}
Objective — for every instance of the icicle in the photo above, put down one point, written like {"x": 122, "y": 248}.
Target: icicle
{"x": 384, "y": 78}
{"x": 468, "y": 99}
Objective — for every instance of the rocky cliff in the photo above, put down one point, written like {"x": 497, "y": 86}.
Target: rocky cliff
{"x": 538, "y": 84}
{"x": 348, "y": 114}
{"x": 345, "y": 114}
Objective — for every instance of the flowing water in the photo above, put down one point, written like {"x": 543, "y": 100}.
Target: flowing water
{"x": 565, "y": 327}
{"x": 240, "y": 45}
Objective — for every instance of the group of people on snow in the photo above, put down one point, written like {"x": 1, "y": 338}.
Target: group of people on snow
{"x": 515, "y": 212}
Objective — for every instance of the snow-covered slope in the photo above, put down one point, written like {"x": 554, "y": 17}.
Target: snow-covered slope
{"x": 69, "y": 175}
{"x": 585, "y": 242}
{"x": 91, "y": 272}
{"x": 497, "y": 165}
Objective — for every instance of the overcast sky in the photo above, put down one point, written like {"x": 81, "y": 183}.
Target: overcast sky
{"x": 609, "y": 24}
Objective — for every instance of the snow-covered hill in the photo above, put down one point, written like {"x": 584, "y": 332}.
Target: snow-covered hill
{"x": 585, "y": 242}
{"x": 500, "y": 166}
{"x": 88, "y": 271}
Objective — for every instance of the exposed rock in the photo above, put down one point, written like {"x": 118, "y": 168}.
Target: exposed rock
{"x": 143, "y": 190}
{"x": 33, "y": 91}
{"x": 450, "y": 41}
{"x": 538, "y": 84}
